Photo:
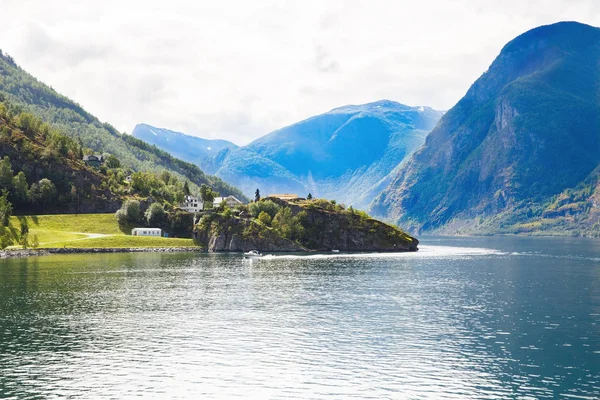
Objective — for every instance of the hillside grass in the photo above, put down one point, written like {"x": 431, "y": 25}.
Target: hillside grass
{"x": 84, "y": 223}
{"x": 74, "y": 231}
{"x": 123, "y": 241}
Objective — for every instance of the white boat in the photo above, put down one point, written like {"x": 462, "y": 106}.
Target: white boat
{"x": 335, "y": 251}
{"x": 252, "y": 254}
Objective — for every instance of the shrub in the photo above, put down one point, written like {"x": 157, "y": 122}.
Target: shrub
{"x": 128, "y": 213}
{"x": 155, "y": 214}
{"x": 264, "y": 218}
{"x": 267, "y": 206}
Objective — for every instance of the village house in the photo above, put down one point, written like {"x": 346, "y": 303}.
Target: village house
{"x": 285, "y": 196}
{"x": 231, "y": 201}
{"x": 192, "y": 204}
{"x": 146, "y": 232}
{"x": 94, "y": 160}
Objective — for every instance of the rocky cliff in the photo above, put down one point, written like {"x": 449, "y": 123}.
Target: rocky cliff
{"x": 524, "y": 138}
{"x": 300, "y": 226}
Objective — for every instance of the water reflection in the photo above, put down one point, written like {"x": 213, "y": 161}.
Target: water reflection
{"x": 483, "y": 318}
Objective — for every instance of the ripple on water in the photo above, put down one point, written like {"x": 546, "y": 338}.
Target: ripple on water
{"x": 445, "y": 322}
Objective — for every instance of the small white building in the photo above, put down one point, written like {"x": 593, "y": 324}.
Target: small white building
{"x": 231, "y": 201}
{"x": 146, "y": 232}
{"x": 192, "y": 204}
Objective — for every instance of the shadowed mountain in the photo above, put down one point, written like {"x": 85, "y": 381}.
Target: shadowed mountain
{"x": 525, "y": 136}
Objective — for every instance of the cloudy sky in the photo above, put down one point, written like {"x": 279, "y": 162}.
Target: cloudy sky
{"x": 240, "y": 69}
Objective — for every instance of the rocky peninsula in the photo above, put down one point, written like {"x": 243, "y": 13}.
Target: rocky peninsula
{"x": 275, "y": 225}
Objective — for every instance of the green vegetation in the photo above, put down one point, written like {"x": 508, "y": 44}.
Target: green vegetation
{"x": 122, "y": 241}
{"x": 79, "y": 130}
{"x": 81, "y": 231}
{"x": 84, "y": 223}
{"x": 316, "y": 224}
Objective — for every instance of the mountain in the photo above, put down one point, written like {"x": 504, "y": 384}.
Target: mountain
{"x": 345, "y": 154}
{"x": 190, "y": 148}
{"x": 520, "y": 152}
{"x": 41, "y": 169}
{"x": 25, "y": 93}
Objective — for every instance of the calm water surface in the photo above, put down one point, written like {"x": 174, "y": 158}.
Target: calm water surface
{"x": 463, "y": 318}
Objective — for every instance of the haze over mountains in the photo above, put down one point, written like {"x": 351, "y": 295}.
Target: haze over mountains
{"x": 344, "y": 154}
{"x": 519, "y": 152}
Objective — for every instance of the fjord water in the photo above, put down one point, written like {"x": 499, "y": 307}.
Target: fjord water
{"x": 462, "y": 318}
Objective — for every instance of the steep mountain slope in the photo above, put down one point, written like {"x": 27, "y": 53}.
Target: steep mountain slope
{"x": 41, "y": 170}
{"x": 345, "y": 154}
{"x": 189, "y": 148}
{"x": 527, "y": 130}
{"x": 25, "y": 92}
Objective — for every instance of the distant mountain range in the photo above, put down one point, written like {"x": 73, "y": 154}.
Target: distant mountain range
{"x": 520, "y": 152}
{"x": 346, "y": 154}
{"x": 190, "y": 148}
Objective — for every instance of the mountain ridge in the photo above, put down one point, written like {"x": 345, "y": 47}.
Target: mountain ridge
{"x": 344, "y": 153}
{"x": 26, "y": 93}
{"x": 524, "y": 132}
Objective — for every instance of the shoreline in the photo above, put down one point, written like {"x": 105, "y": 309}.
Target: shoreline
{"x": 5, "y": 254}
{"x": 22, "y": 253}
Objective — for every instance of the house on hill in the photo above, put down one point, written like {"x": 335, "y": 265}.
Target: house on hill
{"x": 94, "y": 160}
{"x": 285, "y": 196}
{"x": 231, "y": 201}
{"x": 192, "y": 204}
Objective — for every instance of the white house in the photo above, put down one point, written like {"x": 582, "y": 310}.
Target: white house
{"x": 230, "y": 200}
{"x": 192, "y": 204}
{"x": 146, "y": 232}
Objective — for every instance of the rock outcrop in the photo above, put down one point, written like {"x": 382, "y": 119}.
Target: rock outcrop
{"x": 321, "y": 226}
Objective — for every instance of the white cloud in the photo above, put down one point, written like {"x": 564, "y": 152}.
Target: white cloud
{"x": 239, "y": 69}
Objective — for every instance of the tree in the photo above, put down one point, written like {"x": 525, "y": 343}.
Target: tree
{"x": 128, "y": 213}
{"x": 6, "y": 174}
{"x": 6, "y": 209}
{"x": 264, "y": 218}
{"x": 155, "y": 214}
{"x": 44, "y": 193}
{"x": 267, "y": 206}
{"x": 24, "y": 238}
{"x": 186, "y": 188}
{"x": 309, "y": 197}
{"x": 112, "y": 162}
{"x": 257, "y": 195}
{"x": 207, "y": 195}
{"x": 20, "y": 188}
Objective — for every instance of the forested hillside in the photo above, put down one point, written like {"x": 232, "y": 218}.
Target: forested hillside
{"x": 27, "y": 94}
{"x": 42, "y": 171}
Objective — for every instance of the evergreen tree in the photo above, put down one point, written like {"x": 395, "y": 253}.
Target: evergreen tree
{"x": 257, "y": 195}
{"x": 309, "y": 197}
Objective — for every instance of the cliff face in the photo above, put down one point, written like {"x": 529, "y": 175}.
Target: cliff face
{"x": 526, "y": 131}
{"x": 314, "y": 226}
{"x": 238, "y": 234}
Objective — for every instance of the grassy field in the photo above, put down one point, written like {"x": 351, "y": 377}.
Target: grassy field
{"x": 85, "y": 230}
{"x": 123, "y": 241}
{"x": 84, "y": 223}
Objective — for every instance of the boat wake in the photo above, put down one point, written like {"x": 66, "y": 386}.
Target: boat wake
{"x": 424, "y": 251}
